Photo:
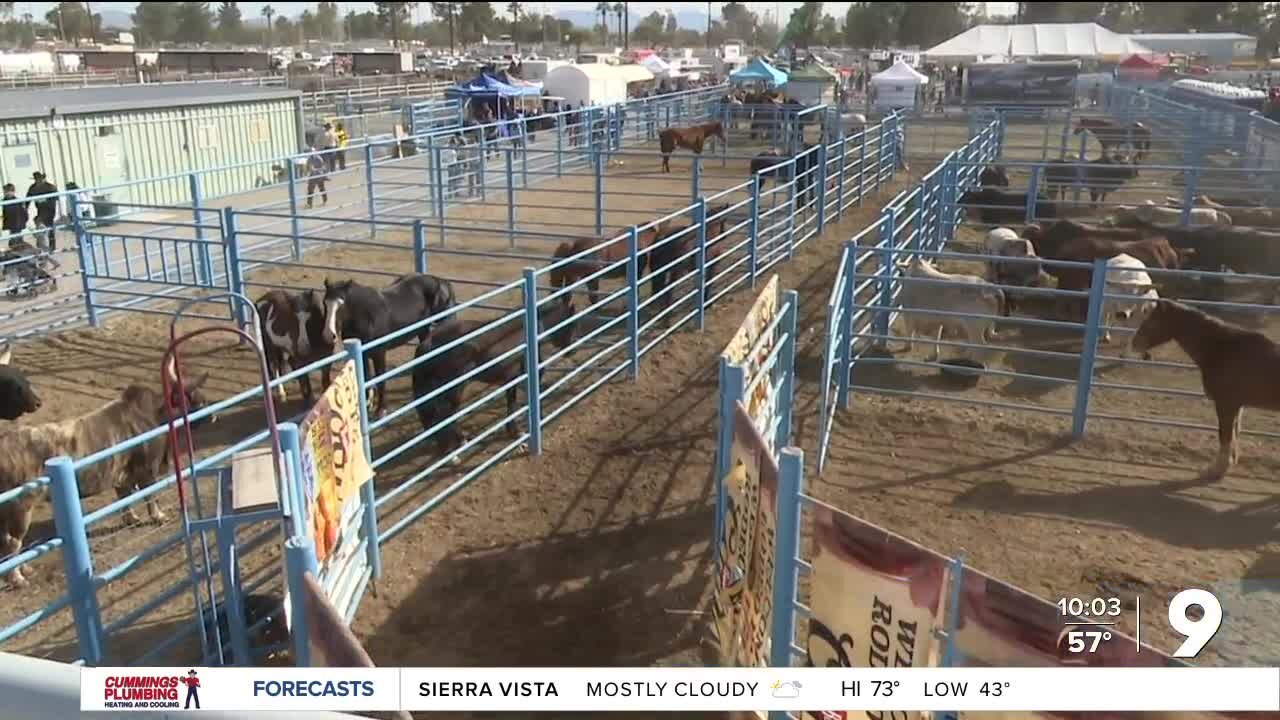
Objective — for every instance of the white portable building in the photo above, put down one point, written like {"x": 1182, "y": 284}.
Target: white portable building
{"x": 596, "y": 83}
{"x": 897, "y": 86}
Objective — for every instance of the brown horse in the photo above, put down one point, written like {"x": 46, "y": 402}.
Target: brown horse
{"x": 689, "y": 138}
{"x": 669, "y": 250}
{"x": 607, "y": 252}
{"x": 1239, "y": 368}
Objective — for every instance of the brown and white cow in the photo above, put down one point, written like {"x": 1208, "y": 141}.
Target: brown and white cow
{"x": 293, "y": 336}
{"x": 24, "y": 451}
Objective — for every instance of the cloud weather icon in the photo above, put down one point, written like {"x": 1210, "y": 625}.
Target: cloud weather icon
{"x": 785, "y": 690}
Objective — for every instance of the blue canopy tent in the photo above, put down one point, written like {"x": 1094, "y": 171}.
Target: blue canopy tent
{"x": 759, "y": 71}
{"x": 485, "y": 85}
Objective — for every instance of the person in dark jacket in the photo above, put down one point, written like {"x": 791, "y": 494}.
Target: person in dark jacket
{"x": 15, "y": 214}
{"x": 46, "y": 209}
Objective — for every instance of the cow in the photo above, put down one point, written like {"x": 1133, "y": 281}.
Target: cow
{"x": 1106, "y": 175}
{"x": 1241, "y": 212}
{"x": 138, "y": 409}
{"x": 1126, "y": 276}
{"x": 806, "y": 170}
{"x": 293, "y": 336}
{"x": 1002, "y": 206}
{"x": 967, "y": 294}
{"x": 1242, "y": 249}
{"x": 1149, "y": 213}
{"x": 993, "y": 176}
{"x": 16, "y": 396}
{"x": 1059, "y": 175}
{"x": 1021, "y": 271}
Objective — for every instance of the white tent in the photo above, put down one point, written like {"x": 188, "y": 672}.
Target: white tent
{"x": 897, "y": 86}
{"x": 657, "y": 66}
{"x": 1039, "y": 40}
{"x": 594, "y": 83}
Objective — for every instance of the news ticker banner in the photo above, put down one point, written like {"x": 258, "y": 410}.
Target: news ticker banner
{"x": 810, "y": 690}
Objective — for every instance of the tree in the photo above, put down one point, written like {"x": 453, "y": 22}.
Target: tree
{"x": 671, "y": 25}
{"x": 155, "y": 22}
{"x": 651, "y": 29}
{"x": 576, "y": 37}
{"x": 308, "y": 25}
{"x": 829, "y": 32}
{"x": 362, "y": 26}
{"x": 626, "y": 23}
{"x": 72, "y": 21}
{"x": 475, "y": 21}
{"x": 448, "y": 12}
{"x": 739, "y": 22}
{"x": 268, "y": 12}
{"x": 392, "y": 16}
{"x": 284, "y": 29}
{"x": 871, "y": 25}
{"x": 230, "y": 22}
{"x": 327, "y": 20}
{"x": 803, "y": 25}
{"x": 195, "y": 22}
{"x": 514, "y": 9}
{"x": 619, "y": 10}
{"x": 603, "y": 9}
{"x": 928, "y": 23}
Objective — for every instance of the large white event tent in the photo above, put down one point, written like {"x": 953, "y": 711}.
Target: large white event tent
{"x": 1074, "y": 40}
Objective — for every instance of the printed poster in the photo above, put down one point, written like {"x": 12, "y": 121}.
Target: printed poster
{"x": 875, "y": 598}
{"x": 743, "y": 600}
{"x": 334, "y": 466}
{"x": 738, "y": 351}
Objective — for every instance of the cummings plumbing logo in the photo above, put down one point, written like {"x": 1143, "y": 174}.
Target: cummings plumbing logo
{"x": 137, "y": 691}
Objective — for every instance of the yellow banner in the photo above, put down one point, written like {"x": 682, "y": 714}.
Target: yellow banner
{"x": 738, "y": 351}
{"x": 334, "y": 465}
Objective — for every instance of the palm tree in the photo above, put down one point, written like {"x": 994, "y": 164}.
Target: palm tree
{"x": 603, "y": 9}
{"x": 617, "y": 10}
{"x": 514, "y": 9}
{"x": 268, "y": 12}
{"x": 708, "y": 26}
{"x": 626, "y": 24}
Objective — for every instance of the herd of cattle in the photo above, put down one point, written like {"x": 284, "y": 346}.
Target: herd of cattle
{"x": 1133, "y": 240}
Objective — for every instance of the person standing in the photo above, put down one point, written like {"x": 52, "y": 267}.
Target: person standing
{"x": 451, "y": 165}
{"x": 43, "y": 194}
{"x": 15, "y": 215}
{"x": 329, "y": 143}
{"x": 317, "y": 166}
{"x": 343, "y": 139}
{"x": 81, "y": 201}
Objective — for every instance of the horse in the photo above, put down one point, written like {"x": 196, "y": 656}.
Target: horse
{"x": 607, "y": 252}
{"x": 667, "y": 259}
{"x": 480, "y": 351}
{"x": 689, "y": 138}
{"x": 356, "y": 311}
{"x": 1239, "y": 368}
{"x": 1112, "y": 135}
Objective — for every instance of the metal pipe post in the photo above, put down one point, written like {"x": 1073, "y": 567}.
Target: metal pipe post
{"x": 433, "y": 177}
{"x": 1033, "y": 187}
{"x": 885, "y": 271}
{"x": 77, "y": 562}
{"x": 821, "y": 187}
{"x": 299, "y": 559}
{"x": 295, "y": 222}
{"x": 844, "y": 161}
{"x": 511, "y": 198}
{"x": 419, "y": 246}
{"x": 355, "y": 351}
{"x": 597, "y": 165}
{"x": 695, "y": 179}
{"x": 787, "y": 359}
{"x": 753, "y": 230}
{"x": 1089, "y": 352}
{"x": 533, "y": 382}
{"x": 560, "y": 145}
{"x": 368, "y": 186}
{"x": 733, "y": 384}
{"x": 206, "y": 263}
{"x": 786, "y": 571}
{"x": 845, "y": 301}
{"x": 235, "y": 274}
{"x": 84, "y": 250}
{"x": 633, "y": 303}
{"x": 700, "y": 221}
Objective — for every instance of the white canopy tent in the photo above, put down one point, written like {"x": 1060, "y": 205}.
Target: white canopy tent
{"x": 1083, "y": 40}
{"x": 656, "y": 65}
{"x": 897, "y": 86}
{"x": 594, "y": 83}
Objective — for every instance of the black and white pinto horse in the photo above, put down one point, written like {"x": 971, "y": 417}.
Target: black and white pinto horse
{"x": 355, "y": 311}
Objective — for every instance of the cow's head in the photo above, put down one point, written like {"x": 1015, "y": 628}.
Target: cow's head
{"x": 16, "y": 396}
{"x": 1184, "y": 255}
{"x": 335, "y": 296}
{"x": 190, "y": 391}
{"x": 308, "y": 309}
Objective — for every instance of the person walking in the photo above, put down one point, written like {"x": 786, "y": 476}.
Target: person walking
{"x": 317, "y": 166}
{"x": 343, "y": 139}
{"x": 46, "y": 210}
{"x": 329, "y": 143}
{"x": 15, "y": 215}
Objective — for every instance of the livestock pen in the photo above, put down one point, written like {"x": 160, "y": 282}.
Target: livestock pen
{"x": 1056, "y": 459}
{"x": 726, "y": 231}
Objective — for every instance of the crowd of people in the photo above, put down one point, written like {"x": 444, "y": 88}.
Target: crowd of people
{"x": 41, "y": 210}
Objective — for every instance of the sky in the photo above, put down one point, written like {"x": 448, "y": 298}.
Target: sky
{"x": 252, "y": 9}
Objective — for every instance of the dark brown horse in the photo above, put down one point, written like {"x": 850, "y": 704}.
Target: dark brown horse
{"x": 1113, "y": 136}
{"x": 690, "y": 138}
{"x": 477, "y": 352}
{"x": 1239, "y": 368}
{"x": 667, "y": 258}
{"x": 607, "y": 252}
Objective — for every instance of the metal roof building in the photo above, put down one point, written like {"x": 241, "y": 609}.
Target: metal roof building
{"x": 106, "y": 137}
